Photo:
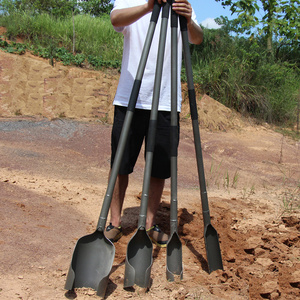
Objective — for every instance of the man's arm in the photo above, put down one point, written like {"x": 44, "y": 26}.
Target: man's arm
{"x": 195, "y": 33}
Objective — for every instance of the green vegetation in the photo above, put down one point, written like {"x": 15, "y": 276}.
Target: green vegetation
{"x": 250, "y": 74}
{"x": 277, "y": 20}
{"x": 46, "y": 36}
{"x": 290, "y": 201}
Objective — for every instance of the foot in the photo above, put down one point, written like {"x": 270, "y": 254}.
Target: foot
{"x": 113, "y": 233}
{"x": 157, "y": 236}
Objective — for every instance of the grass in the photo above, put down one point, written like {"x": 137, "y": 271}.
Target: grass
{"x": 59, "y": 54}
{"x": 246, "y": 193}
{"x": 216, "y": 176}
{"x": 214, "y": 173}
{"x": 290, "y": 197}
{"x": 93, "y": 36}
{"x": 235, "y": 179}
{"x": 96, "y": 42}
{"x": 290, "y": 132}
{"x": 290, "y": 200}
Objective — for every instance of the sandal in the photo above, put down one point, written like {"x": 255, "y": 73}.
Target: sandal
{"x": 157, "y": 236}
{"x": 113, "y": 233}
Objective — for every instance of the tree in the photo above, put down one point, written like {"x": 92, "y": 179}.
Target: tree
{"x": 96, "y": 7}
{"x": 58, "y": 8}
{"x": 280, "y": 18}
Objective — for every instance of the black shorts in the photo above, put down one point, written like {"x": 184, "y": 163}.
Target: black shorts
{"x": 138, "y": 131}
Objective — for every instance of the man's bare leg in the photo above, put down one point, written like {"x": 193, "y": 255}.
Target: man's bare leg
{"x": 118, "y": 200}
{"x": 155, "y": 193}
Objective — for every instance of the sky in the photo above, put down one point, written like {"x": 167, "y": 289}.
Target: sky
{"x": 207, "y": 10}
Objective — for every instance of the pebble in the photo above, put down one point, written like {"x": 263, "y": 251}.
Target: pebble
{"x": 230, "y": 255}
{"x": 253, "y": 243}
{"x": 295, "y": 277}
{"x": 269, "y": 287}
{"x": 265, "y": 262}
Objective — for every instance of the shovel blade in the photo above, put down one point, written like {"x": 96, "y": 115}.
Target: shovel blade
{"x": 91, "y": 263}
{"x": 138, "y": 260}
{"x": 213, "y": 250}
{"x": 174, "y": 258}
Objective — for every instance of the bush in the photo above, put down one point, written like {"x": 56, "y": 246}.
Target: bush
{"x": 240, "y": 73}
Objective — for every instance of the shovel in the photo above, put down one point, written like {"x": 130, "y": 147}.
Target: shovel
{"x": 94, "y": 254}
{"x": 139, "y": 249}
{"x": 211, "y": 238}
{"x": 174, "y": 246}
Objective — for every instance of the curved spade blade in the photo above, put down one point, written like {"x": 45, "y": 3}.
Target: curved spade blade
{"x": 91, "y": 263}
{"x": 139, "y": 250}
{"x": 138, "y": 260}
{"x": 211, "y": 238}
{"x": 174, "y": 257}
{"x": 213, "y": 250}
{"x": 174, "y": 247}
{"x": 94, "y": 254}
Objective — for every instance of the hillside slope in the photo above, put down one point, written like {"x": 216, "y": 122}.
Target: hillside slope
{"x": 31, "y": 86}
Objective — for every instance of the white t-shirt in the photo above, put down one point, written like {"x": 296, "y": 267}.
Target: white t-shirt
{"x": 134, "y": 38}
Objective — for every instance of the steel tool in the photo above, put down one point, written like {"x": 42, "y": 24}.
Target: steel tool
{"x": 139, "y": 249}
{"x": 94, "y": 254}
{"x": 211, "y": 238}
{"x": 174, "y": 246}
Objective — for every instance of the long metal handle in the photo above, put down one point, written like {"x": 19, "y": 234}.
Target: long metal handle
{"x": 153, "y": 116}
{"x": 128, "y": 118}
{"x": 195, "y": 122}
{"x": 174, "y": 121}
{"x": 211, "y": 238}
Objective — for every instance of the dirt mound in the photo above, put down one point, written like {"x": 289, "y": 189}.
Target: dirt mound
{"x": 212, "y": 114}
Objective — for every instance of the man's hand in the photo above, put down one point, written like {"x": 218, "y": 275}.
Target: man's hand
{"x": 126, "y": 16}
{"x": 183, "y": 8}
{"x": 151, "y": 3}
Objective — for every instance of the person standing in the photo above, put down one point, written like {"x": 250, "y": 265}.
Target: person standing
{"x": 132, "y": 18}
